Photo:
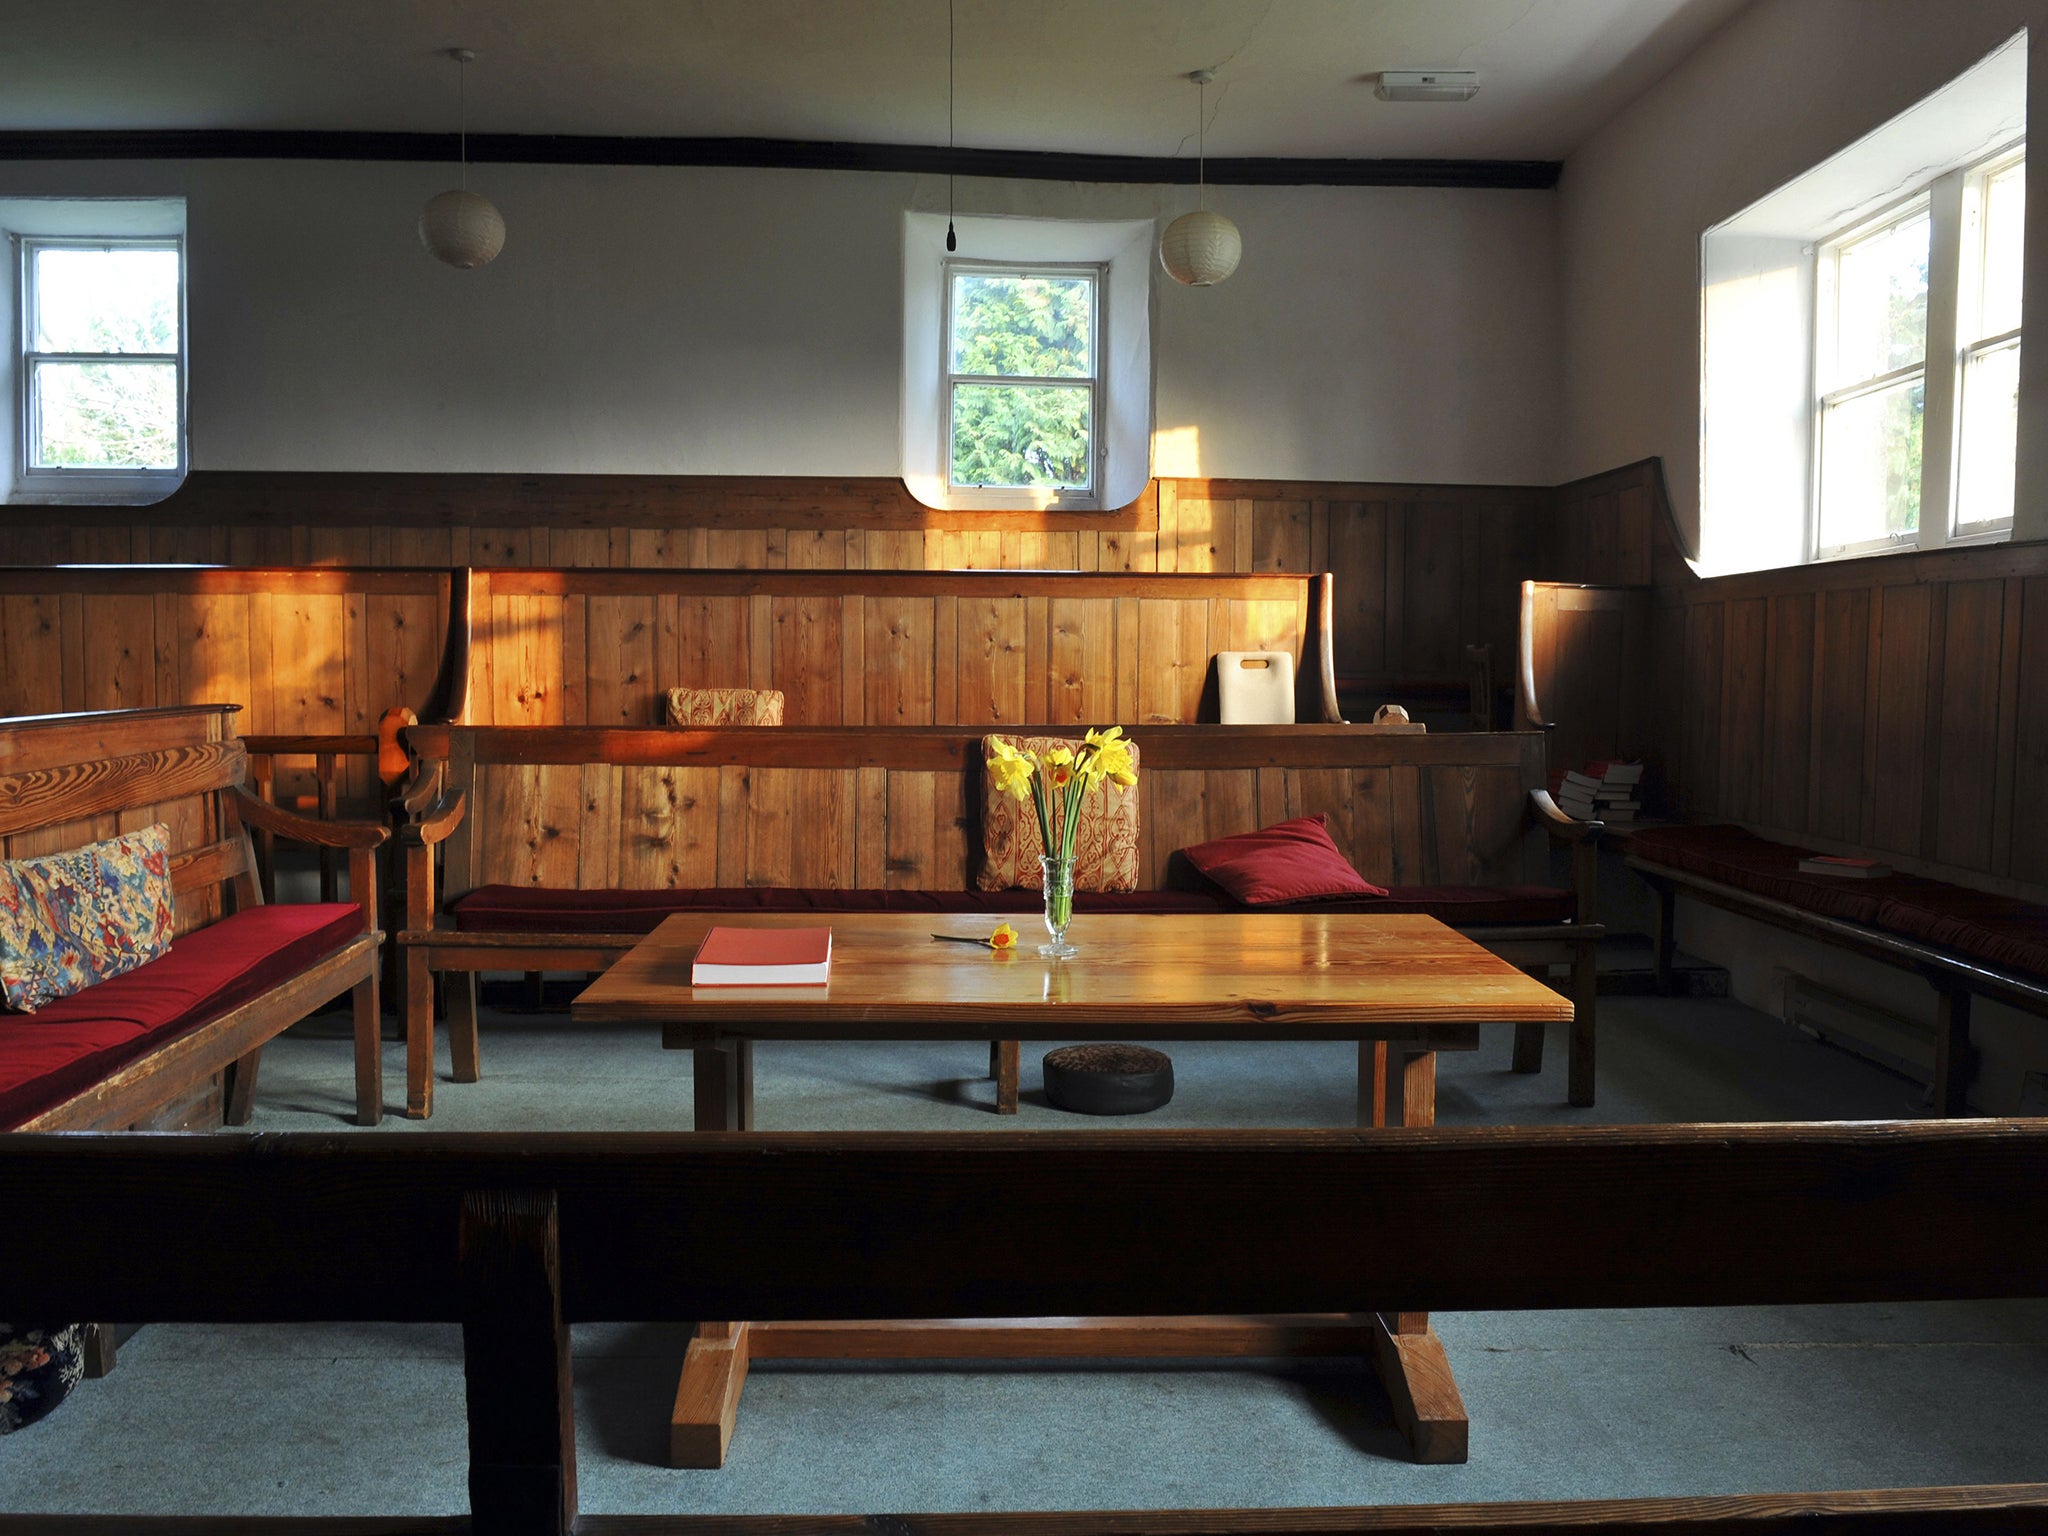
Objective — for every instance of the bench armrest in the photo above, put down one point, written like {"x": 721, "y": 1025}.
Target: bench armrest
{"x": 1566, "y": 829}
{"x": 417, "y": 837}
{"x": 433, "y": 823}
{"x": 307, "y": 829}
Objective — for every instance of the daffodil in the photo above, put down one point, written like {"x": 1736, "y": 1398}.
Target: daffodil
{"x": 1010, "y": 768}
{"x": 1005, "y": 937}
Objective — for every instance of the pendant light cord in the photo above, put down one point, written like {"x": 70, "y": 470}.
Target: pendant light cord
{"x": 952, "y": 244}
{"x": 1201, "y": 143}
{"x": 462, "y": 117}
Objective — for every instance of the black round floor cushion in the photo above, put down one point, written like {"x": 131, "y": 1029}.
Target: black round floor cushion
{"x": 1107, "y": 1079}
{"x": 38, "y": 1369}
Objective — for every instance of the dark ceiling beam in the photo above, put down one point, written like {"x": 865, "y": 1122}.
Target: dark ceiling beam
{"x": 781, "y": 154}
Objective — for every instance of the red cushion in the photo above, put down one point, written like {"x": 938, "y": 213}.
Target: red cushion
{"x": 2001, "y": 930}
{"x": 74, "y": 1041}
{"x": 1288, "y": 861}
{"x": 561, "y": 909}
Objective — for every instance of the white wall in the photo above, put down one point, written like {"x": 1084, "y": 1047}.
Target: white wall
{"x": 748, "y": 322}
{"x": 1781, "y": 87}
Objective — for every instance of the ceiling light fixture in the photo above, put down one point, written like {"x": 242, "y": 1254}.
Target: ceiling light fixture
{"x": 1200, "y": 248}
{"x": 1426, "y": 84}
{"x": 458, "y": 226}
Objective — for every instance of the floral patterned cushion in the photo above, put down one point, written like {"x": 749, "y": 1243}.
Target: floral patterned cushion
{"x": 38, "y": 1369}
{"x": 725, "y": 706}
{"x": 70, "y": 919}
{"x": 1105, "y": 843}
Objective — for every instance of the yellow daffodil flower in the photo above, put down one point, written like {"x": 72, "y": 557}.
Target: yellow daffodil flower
{"x": 1011, "y": 769}
{"x": 1005, "y": 937}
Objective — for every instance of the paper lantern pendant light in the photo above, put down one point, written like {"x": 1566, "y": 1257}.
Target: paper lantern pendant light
{"x": 1200, "y": 248}
{"x": 459, "y": 226}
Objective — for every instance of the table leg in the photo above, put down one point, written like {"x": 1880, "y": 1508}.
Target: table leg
{"x": 1409, "y": 1356}
{"x": 723, "y": 1068}
{"x": 708, "y": 1396}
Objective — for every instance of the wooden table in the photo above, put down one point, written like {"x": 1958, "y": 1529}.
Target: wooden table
{"x": 1403, "y": 987}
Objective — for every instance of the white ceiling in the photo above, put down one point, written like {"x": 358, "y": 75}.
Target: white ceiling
{"x": 1093, "y": 76}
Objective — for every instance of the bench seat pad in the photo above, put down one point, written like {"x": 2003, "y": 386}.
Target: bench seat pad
{"x": 1999, "y": 930}
{"x": 68, "y": 1045}
{"x": 558, "y": 909}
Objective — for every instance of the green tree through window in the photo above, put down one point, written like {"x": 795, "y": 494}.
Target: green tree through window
{"x": 1022, "y": 361}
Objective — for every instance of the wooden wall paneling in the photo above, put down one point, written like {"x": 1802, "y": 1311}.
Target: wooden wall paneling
{"x": 662, "y": 548}
{"x": 1128, "y": 642}
{"x": 739, "y": 549}
{"x": 619, "y": 662}
{"x": 871, "y": 828}
{"x": 822, "y": 810}
{"x": 814, "y": 549}
{"x": 1788, "y": 710}
{"x": 1838, "y": 789}
{"x": 1898, "y": 802}
{"x": 770, "y": 826}
{"x": 893, "y": 549}
{"x": 853, "y": 660}
{"x": 913, "y": 862}
{"x": 2029, "y": 859}
{"x": 1965, "y": 747}
{"x": 807, "y": 661}
{"x": 502, "y": 546}
{"x": 71, "y": 643}
{"x": 1037, "y": 659}
{"x": 667, "y": 831}
{"x": 948, "y": 657}
{"x": 1230, "y": 799}
{"x": 536, "y": 813}
{"x": 1282, "y": 537}
{"x": 956, "y": 826}
{"x": 120, "y": 655}
{"x": 1742, "y": 710}
{"x": 31, "y": 655}
{"x": 581, "y": 546}
{"x": 1431, "y": 592}
{"x": 1165, "y": 552}
{"x": 1632, "y": 536}
{"x": 1204, "y": 534}
{"x": 730, "y": 831}
{"x": 527, "y": 663}
{"x": 337, "y": 546}
{"x": 714, "y": 638}
{"x": 1172, "y": 660}
{"x": 2006, "y": 753}
{"x": 102, "y": 544}
{"x": 1172, "y": 813}
{"x": 1700, "y": 728}
{"x": 898, "y": 646}
{"x": 1370, "y": 836}
{"x": 424, "y": 546}
{"x": 1082, "y": 661}
{"x": 600, "y": 824}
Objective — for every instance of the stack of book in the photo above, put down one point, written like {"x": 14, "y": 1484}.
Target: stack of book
{"x": 1617, "y": 798}
{"x": 1605, "y": 791}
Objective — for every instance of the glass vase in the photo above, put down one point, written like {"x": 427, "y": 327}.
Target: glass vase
{"x": 1059, "y": 905}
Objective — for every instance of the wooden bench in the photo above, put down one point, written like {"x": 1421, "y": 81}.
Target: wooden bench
{"x": 749, "y": 817}
{"x": 152, "y": 1047}
{"x": 518, "y": 1237}
{"x": 1899, "y": 921}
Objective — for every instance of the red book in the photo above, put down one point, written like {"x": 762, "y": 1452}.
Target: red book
{"x": 763, "y": 957}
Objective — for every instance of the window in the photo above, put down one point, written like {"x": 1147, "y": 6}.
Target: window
{"x": 1860, "y": 339}
{"x": 1871, "y": 365}
{"x": 1023, "y": 380}
{"x": 102, "y": 386}
{"x": 1027, "y": 362}
{"x": 1988, "y": 310}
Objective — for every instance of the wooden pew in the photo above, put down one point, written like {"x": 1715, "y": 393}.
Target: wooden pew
{"x": 519, "y": 1236}
{"x": 854, "y": 808}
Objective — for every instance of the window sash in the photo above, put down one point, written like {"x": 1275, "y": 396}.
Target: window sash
{"x": 28, "y": 470}
{"x": 975, "y": 494}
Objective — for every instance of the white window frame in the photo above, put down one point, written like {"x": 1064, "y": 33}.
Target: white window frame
{"x": 1076, "y": 498}
{"x": 71, "y": 481}
{"x": 1955, "y": 264}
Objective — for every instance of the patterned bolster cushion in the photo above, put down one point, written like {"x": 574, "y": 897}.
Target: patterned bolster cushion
{"x": 71, "y": 919}
{"x": 725, "y": 706}
{"x": 1105, "y": 842}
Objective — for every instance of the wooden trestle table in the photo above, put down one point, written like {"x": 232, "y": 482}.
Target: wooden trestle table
{"x": 1403, "y": 987}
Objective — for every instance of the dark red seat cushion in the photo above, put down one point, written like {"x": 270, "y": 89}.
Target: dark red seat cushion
{"x": 1999, "y": 930}
{"x": 71, "y": 1043}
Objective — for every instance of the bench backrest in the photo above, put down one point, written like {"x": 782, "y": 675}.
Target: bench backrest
{"x": 899, "y": 809}
{"x": 69, "y": 780}
{"x": 518, "y": 1236}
